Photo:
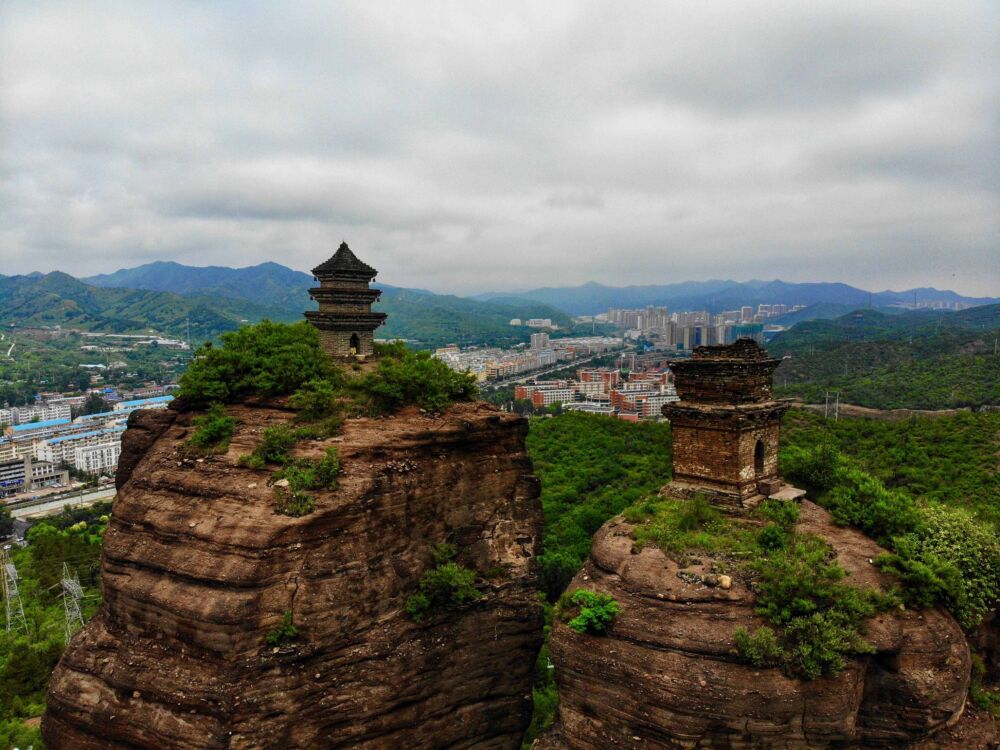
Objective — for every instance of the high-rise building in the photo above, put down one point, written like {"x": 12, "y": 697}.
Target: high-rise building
{"x": 539, "y": 341}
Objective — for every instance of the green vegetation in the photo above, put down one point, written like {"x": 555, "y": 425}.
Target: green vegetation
{"x": 439, "y": 319}
{"x": 941, "y": 552}
{"x": 588, "y": 611}
{"x": 407, "y": 377}
{"x": 6, "y": 523}
{"x": 446, "y": 586}
{"x": 950, "y": 460}
{"x": 591, "y": 469}
{"x": 917, "y": 360}
{"x": 267, "y": 359}
{"x": 759, "y": 648}
{"x": 298, "y": 476}
{"x": 277, "y": 442}
{"x": 28, "y": 657}
{"x": 212, "y": 431}
{"x": 284, "y": 633}
{"x": 818, "y": 618}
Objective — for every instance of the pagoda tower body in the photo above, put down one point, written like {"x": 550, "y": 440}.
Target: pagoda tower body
{"x": 726, "y": 427}
{"x": 345, "y": 319}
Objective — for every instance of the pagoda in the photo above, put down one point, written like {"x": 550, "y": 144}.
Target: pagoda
{"x": 726, "y": 426}
{"x": 345, "y": 319}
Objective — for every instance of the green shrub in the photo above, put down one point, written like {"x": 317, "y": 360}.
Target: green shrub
{"x": 275, "y": 446}
{"x": 311, "y": 474}
{"x": 266, "y": 359}
{"x": 443, "y": 552}
{"x": 293, "y": 503}
{"x": 772, "y": 537}
{"x": 950, "y": 559}
{"x": 319, "y": 399}
{"x": 284, "y": 632}
{"x": 595, "y": 611}
{"x": 814, "y": 467}
{"x": 407, "y": 377}
{"x": 448, "y": 586}
{"x": 800, "y": 589}
{"x": 212, "y": 431}
{"x": 760, "y": 649}
{"x": 986, "y": 698}
{"x": 861, "y": 500}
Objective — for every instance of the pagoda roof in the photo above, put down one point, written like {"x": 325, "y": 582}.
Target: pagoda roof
{"x": 346, "y": 262}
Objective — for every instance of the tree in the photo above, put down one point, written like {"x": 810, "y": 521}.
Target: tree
{"x": 6, "y": 523}
{"x": 95, "y": 404}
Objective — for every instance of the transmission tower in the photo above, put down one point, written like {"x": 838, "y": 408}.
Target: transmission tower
{"x": 11, "y": 596}
{"x": 72, "y": 594}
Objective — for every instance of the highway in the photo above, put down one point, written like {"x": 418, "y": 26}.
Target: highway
{"x": 47, "y": 506}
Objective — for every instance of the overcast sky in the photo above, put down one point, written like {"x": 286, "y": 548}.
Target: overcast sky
{"x": 467, "y": 146}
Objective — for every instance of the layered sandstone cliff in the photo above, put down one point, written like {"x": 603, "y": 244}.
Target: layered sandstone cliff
{"x": 666, "y": 677}
{"x": 198, "y": 569}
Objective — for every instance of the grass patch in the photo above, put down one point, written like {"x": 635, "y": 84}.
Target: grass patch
{"x": 212, "y": 431}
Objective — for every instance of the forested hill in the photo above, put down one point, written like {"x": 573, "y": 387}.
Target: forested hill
{"x": 57, "y": 299}
{"x": 213, "y": 300}
{"x": 920, "y": 359}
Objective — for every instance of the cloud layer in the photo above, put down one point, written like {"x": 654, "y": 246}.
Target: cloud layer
{"x": 472, "y": 146}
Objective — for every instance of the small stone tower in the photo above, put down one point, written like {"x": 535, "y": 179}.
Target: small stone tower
{"x": 727, "y": 424}
{"x": 345, "y": 319}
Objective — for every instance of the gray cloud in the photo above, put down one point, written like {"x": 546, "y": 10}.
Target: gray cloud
{"x": 466, "y": 147}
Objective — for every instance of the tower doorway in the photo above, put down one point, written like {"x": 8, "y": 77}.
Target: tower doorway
{"x": 355, "y": 344}
{"x": 758, "y": 458}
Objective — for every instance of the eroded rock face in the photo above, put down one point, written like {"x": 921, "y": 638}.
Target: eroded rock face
{"x": 198, "y": 568}
{"x": 664, "y": 677}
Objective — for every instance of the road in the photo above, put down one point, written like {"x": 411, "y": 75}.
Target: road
{"x": 47, "y": 506}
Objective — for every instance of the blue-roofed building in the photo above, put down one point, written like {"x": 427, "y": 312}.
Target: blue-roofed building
{"x": 156, "y": 402}
{"x": 24, "y": 429}
{"x": 62, "y": 449}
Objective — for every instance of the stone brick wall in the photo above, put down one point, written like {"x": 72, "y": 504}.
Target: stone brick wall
{"x": 338, "y": 343}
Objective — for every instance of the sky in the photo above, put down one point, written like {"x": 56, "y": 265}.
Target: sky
{"x": 473, "y": 146}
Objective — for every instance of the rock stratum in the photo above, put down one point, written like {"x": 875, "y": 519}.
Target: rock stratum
{"x": 665, "y": 675}
{"x": 197, "y": 569}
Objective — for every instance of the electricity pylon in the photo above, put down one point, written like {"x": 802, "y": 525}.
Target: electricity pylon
{"x": 11, "y": 596}
{"x": 72, "y": 593}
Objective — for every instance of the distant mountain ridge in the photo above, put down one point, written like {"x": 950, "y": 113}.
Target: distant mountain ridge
{"x": 717, "y": 295}
{"x": 170, "y": 298}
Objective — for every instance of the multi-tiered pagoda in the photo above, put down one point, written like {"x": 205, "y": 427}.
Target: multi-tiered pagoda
{"x": 727, "y": 424}
{"x": 345, "y": 319}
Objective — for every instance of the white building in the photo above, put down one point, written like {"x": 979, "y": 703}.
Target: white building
{"x": 97, "y": 459}
{"x": 42, "y": 412}
{"x": 59, "y": 450}
{"x": 157, "y": 402}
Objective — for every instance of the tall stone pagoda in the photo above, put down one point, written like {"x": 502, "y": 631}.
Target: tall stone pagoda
{"x": 345, "y": 319}
{"x": 726, "y": 426}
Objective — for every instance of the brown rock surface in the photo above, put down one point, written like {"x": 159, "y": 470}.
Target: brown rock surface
{"x": 197, "y": 569}
{"x": 664, "y": 677}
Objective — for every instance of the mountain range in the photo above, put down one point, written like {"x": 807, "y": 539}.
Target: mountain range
{"x": 717, "y": 295}
{"x": 173, "y": 298}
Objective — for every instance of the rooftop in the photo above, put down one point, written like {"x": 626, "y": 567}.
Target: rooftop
{"x": 37, "y": 425}
{"x": 344, "y": 261}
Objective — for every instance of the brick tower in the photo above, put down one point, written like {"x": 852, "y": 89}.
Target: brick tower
{"x": 345, "y": 319}
{"x": 727, "y": 424}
